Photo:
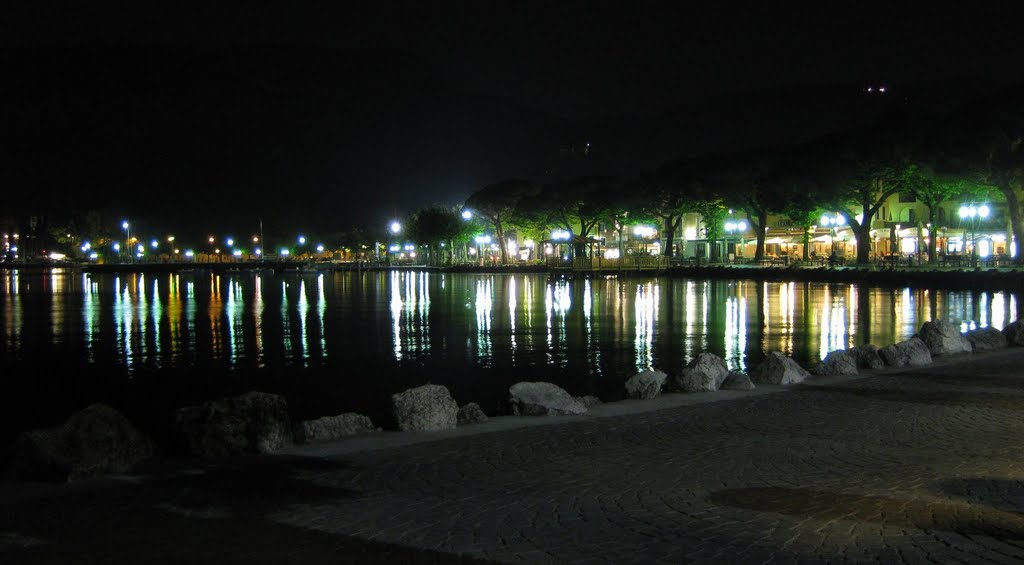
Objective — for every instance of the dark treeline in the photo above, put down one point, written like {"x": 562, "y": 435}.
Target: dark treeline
{"x": 972, "y": 152}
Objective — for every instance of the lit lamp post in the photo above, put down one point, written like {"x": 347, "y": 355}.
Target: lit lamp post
{"x": 395, "y": 228}
{"x": 973, "y": 214}
{"x": 732, "y": 228}
{"x": 480, "y": 242}
{"x": 832, "y": 223}
{"x": 128, "y": 237}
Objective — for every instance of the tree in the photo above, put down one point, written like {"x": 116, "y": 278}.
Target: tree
{"x": 792, "y": 182}
{"x": 664, "y": 199}
{"x": 866, "y": 169}
{"x": 745, "y": 183}
{"x": 984, "y": 144}
{"x": 436, "y": 227}
{"x": 578, "y": 205}
{"x": 932, "y": 192}
{"x": 497, "y": 204}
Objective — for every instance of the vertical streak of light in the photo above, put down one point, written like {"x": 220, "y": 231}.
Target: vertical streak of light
{"x": 142, "y": 318}
{"x": 321, "y": 310}
{"x": 286, "y": 324}
{"x": 216, "y": 313}
{"x": 691, "y": 319}
{"x": 157, "y": 315}
{"x": 998, "y": 320}
{"x": 826, "y": 323}
{"x": 396, "y": 315}
{"x": 190, "y": 317}
{"x": 644, "y": 305}
{"x": 174, "y": 316}
{"x": 57, "y": 305}
{"x": 303, "y": 313}
{"x": 89, "y": 317}
{"x": 484, "y": 306}
{"x": 984, "y": 308}
{"x": 549, "y": 306}
{"x": 512, "y": 317}
{"x": 257, "y": 314}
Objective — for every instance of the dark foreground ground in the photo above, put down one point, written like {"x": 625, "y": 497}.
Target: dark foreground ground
{"x": 918, "y": 466}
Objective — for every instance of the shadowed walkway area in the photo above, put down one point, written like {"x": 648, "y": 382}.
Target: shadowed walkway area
{"x": 914, "y": 466}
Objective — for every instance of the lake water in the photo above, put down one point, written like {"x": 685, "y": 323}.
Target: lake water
{"x": 343, "y": 341}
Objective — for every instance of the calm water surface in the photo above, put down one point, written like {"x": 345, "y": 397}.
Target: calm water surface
{"x": 344, "y": 341}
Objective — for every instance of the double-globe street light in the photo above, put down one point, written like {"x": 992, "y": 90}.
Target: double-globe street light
{"x": 732, "y": 228}
{"x": 973, "y": 214}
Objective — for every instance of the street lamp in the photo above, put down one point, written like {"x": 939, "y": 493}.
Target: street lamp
{"x": 481, "y": 240}
{"x": 974, "y": 214}
{"x": 128, "y": 235}
{"x": 832, "y": 222}
{"x": 732, "y": 228}
{"x": 467, "y": 215}
{"x": 395, "y": 227}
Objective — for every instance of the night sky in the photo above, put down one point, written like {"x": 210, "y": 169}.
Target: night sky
{"x": 318, "y": 119}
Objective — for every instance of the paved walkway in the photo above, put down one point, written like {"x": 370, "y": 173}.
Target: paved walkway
{"x": 917, "y": 466}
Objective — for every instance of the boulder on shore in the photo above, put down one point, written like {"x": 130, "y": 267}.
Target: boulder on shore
{"x": 254, "y": 422}
{"x": 331, "y": 428}
{"x": 943, "y": 338}
{"x": 425, "y": 408}
{"x": 94, "y": 441}
{"x": 737, "y": 381}
{"x": 778, "y": 369}
{"x": 471, "y": 414}
{"x": 588, "y": 400}
{"x": 705, "y": 373}
{"x": 986, "y": 339}
{"x": 645, "y": 385}
{"x": 1014, "y": 333}
{"x": 839, "y": 362}
{"x": 867, "y": 357}
{"x": 910, "y": 353}
{"x": 542, "y": 399}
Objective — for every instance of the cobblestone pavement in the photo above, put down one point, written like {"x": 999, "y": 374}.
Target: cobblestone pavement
{"x": 918, "y": 466}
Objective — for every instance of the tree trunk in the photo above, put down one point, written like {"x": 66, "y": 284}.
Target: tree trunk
{"x": 499, "y": 231}
{"x": 759, "y": 232}
{"x": 933, "y": 256}
{"x": 668, "y": 236}
{"x": 1016, "y": 218}
{"x": 807, "y": 242}
{"x": 864, "y": 243}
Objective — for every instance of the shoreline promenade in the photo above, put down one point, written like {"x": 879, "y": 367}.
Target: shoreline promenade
{"x": 914, "y": 466}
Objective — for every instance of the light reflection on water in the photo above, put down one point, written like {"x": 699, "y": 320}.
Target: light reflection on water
{"x": 597, "y": 326}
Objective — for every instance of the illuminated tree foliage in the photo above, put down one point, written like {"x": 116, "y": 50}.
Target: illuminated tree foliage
{"x": 497, "y": 204}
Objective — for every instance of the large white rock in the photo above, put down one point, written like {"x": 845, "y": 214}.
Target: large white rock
{"x": 839, "y": 362}
{"x": 985, "y": 339}
{"x": 424, "y": 409}
{"x": 943, "y": 338}
{"x": 704, "y": 374}
{"x": 912, "y": 352}
{"x": 542, "y": 399}
{"x": 645, "y": 385}
{"x": 333, "y": 427}
{"x": 778, "y": 369}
